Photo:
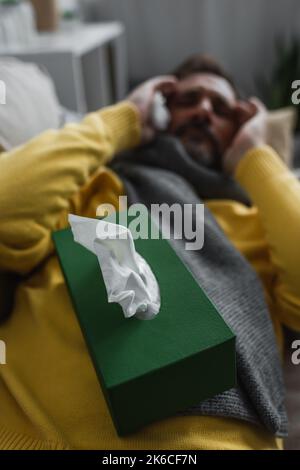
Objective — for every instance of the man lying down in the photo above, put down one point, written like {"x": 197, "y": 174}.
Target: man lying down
{"x": 215, "y": 151}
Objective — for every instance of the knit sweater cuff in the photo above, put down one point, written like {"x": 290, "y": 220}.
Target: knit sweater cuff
{"x": 260, "y": 166}
{"x": 123, "y": 124}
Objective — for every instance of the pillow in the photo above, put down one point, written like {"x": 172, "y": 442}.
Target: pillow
{"x": 280, "y": 132}
{"x": 31, "y": 103}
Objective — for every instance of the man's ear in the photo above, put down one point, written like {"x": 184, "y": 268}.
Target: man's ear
{"x": 244, "y": 110}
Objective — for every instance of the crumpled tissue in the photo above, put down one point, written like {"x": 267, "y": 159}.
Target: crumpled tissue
{"x": 128, "y": 278}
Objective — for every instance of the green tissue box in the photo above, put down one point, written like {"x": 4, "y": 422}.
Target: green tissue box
{"x": 152, "y": 369}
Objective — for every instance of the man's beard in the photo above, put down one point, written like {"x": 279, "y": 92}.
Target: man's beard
{"x": 193, "y": 135}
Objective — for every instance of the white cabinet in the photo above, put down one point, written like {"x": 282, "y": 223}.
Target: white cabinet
{"x": 87, "y": 63}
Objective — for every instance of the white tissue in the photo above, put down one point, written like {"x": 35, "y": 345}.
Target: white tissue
{"x": 128, "y": 278}
{"x": 160, "y": 113}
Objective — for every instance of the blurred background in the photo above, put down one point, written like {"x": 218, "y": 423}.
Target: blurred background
{"x": 94, "y": 51}
{"x": 254, "y": 40}
{"x": 62, "y": 58}
{"x": 241, "y": 34}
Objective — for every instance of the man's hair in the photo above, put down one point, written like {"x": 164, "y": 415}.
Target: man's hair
{"x": 203, "y": 64}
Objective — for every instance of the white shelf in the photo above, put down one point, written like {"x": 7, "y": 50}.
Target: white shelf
{"x": 78, "y": 40}
{"x": 87, "y": 63}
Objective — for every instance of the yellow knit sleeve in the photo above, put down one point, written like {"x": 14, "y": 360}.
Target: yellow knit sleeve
{"x": 38, "y": 179}
{"x": 276, "y": 193}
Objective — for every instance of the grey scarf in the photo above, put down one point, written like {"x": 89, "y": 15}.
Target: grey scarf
{"x": 163, "y": 172}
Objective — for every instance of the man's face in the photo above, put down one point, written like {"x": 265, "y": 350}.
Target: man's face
{"x": 203, "y": 116}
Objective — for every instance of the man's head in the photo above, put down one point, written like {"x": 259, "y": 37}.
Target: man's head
{"x": 204, "y": 110}
{"x": 216, "y": 127}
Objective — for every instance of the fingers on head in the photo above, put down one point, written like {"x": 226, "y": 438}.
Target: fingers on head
{"x": 249, "y": 108}
{"x": 165, "y": 83}
{"x": 244, "y": 110}
{"x": 258, "y": 104}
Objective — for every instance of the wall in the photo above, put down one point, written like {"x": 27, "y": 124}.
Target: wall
{"x": 241, "y": 33}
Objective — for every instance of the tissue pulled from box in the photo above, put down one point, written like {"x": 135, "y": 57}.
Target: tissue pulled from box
{"x": 128, "y": 278}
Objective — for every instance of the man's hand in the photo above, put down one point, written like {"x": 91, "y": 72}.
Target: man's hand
{"x": 252, "y": 133}
{"x": 142, "y": 98}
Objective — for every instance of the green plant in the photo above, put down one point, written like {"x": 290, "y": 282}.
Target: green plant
{"x": 276, "y": 90}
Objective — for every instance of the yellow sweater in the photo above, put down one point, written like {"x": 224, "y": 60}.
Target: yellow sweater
{"x": 49, "y": 393}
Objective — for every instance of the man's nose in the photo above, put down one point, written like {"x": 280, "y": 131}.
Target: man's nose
{"x": 202, "y": 110}
{"x": 205, "y": 106}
